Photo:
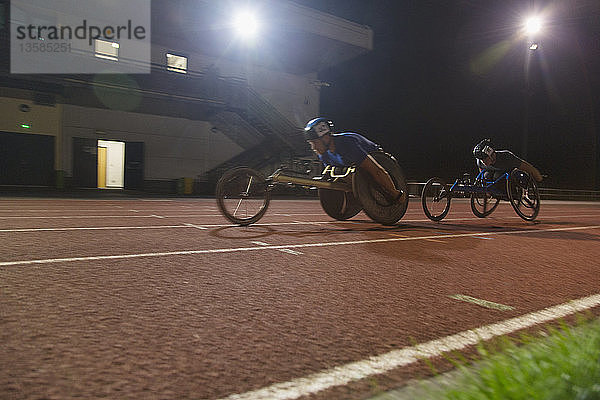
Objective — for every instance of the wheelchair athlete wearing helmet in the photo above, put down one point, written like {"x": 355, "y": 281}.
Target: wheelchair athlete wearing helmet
{"x": 496, "y": 162}
{"x": 347, "y": 149}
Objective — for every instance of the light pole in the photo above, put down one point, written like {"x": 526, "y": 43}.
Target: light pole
{"x": 533, "y": 26}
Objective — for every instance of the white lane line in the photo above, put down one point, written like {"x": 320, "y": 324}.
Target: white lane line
{"x": 541, "y": 219}
{"x": 99, "y": 228}
{"x": 290, "y": 251}
{"x": 481, "y": 302}
{"x": 196, "y": 226}
{"x": 487, "y": 238}
{"x": 285, "y": 246}
{"x": 260, "y": 243}
{"x": 382, "y": 363}
{"x": 207, "y": 226}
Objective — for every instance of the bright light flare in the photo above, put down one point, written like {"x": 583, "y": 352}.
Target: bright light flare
{"x": 246, "y": 25}
{"x": 533, "y": 25}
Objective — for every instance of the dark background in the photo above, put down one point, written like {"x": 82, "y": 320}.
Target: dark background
{"x": 445, "y": 74}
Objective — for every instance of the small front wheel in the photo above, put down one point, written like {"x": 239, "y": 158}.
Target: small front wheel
{"x": 523, "y": 194}
{"x": 435, "y": 199}
{"x": 243, "y": 195}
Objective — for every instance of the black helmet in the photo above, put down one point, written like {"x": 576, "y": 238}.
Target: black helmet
{"x": 317, "y": 127}
{"x": 483, "y": 149}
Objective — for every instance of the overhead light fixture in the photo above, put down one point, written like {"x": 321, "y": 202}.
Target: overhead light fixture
{"x": 246, "y": 25}
{"x": 533, "y": 25}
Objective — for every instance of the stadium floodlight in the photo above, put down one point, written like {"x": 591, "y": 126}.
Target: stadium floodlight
{"x": 246, "y": 25}
{"x": 533, "y": 25}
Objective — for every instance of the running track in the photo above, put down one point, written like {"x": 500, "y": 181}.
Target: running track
{"x": 163, "y": 299}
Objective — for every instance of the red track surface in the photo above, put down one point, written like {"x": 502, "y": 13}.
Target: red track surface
{"x": 165, "y": 299}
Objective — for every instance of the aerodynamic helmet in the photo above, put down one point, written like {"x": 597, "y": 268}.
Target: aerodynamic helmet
{"x": 483, "y": 149}
{"x": 317, "y": 127}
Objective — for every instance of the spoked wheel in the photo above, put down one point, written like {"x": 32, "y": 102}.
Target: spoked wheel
{"x": 523, "y": 194}
{"x": 243, "y": 195}
{"x": 339, "y": 205}
{"x": 372, "y": 197}
{"x": 435, "y": 199}
{"x": 482, "y": 203}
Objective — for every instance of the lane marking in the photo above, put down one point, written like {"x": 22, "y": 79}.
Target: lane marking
{"x": 487, "y": 238}
{"x": 196, "y": 226}
{"x": 286, "y": 246}
{"x": 99, "y": 228}
{"x": 481, "y": 302}
{"x": 290, "y": 251}
{"x": 394, "y": 359}
{"x": 260, "y": 243}
{"x": 543, "y": 219}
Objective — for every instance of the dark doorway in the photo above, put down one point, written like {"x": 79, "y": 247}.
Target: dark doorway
{"x": 85, "y": 162}
{"x": 134, "y": 165}
{"x": 26, "y": 159}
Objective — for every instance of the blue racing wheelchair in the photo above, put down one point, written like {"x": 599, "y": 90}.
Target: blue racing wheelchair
{"x": 516, "y": 187}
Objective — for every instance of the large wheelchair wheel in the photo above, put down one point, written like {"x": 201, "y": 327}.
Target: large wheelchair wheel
{"x": 339, "y": 205}
{"x": 242, "y": 195}
{"x": 523, "y": 194}
{"x": 482, "y": 203}
{"x": 435, "y": 199}
{"x": 374, "y": 201}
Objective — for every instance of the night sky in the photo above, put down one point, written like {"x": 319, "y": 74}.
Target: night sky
{"x": 445, "y": 74}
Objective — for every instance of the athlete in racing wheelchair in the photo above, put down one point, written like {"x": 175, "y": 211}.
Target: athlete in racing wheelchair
{"x": 495, "y": 163}
{"x": 502, "y": 176}
{"x": 358, "y": 175}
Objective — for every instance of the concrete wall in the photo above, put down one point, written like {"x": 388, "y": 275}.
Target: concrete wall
{"x": 174, "y": 147}
{"x": 294, "y": 96}
{"x": 43, "y": 120}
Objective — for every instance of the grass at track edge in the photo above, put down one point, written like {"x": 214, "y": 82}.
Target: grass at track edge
{"x": 561, "y": 363}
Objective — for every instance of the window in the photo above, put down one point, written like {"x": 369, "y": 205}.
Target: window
{"x": 106, "y": 50}
{"x": 176, "y": 63}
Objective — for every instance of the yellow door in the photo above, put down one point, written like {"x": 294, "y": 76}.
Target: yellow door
{"x": 102, "y": 167}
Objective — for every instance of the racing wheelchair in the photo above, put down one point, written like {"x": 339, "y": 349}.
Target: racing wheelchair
{"x": 243, "y": 194}
{"x": 516, "y": 186}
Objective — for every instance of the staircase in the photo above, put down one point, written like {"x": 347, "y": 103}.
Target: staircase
{"x": 268, "y": 138}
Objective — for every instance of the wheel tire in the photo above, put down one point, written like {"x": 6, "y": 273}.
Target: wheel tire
{"x": 339, "y": 205}
{"x": 430, "y": 196}
{"x": 242, "y": 195}
{"x": 483, "y": 204}
{"x": 523, "y": 194}
{"x": 373, "y": 201}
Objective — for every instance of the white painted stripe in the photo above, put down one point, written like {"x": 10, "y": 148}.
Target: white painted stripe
{"x": 99, "y": 228}
{"x": 285, "y": 246}
{"x": 227, "y": 225}
{"x": 260, "y": 243}
{"x": 540, "y": 219}
{"x": 290, "y": 251}
{"x": 481, "y": 302}
{"x": 382, "y": 363}
{"x": 196, "y": 226}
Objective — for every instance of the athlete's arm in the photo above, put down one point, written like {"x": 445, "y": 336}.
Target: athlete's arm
{"x": 531, "y": 170}
{"x": 380, "y": 175}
